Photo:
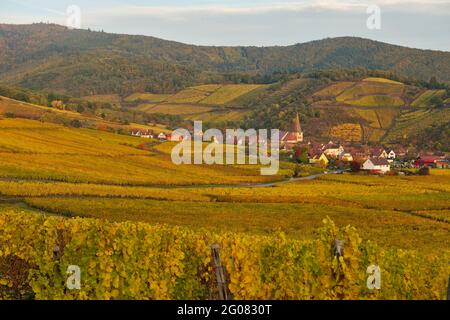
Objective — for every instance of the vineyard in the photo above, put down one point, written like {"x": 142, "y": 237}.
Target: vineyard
{"x": 412, "y": 123}
{"x": 412, "y": 219}
{"x": 34, "y": 151}
{"x": 347, "y": 132}
{"x": 140, "y": 227}
{"x": 424, "y": 100}
{"x": 138, "y": 261}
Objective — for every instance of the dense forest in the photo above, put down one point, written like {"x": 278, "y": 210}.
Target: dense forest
{"x": 82, "y": 62}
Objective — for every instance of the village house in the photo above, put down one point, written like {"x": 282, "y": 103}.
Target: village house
{"x": 377, "y": 165}
{"x": 176, "y": 137}
{"x": 346, "y": 157}
{"x": 162, "y": 137}
{"x": 334, "y": 152}
{"x": 378, "y": 152}
{"x": 148, "y": 134}
{"x": 318, "y": 158}
{"x": 432, "y": 161}
{"x": 443, "y": 164}
{"x": 358, "y": 153}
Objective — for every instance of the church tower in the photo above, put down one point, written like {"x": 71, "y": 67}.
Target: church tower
{"x": 294, "y": 135}
{"x": 297, "y": 128}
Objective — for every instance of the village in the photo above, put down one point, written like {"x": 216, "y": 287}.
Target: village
{"x": 333, "y": 155}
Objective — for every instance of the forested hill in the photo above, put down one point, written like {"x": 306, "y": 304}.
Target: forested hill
{"x": 82, "y": 62}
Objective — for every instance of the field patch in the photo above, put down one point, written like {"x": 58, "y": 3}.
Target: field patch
{"x": 410, "y": 124}
{"x": 333, "y": 90}
{"x": 219, "y": 116}
{"x": 373, "y": 94}
{"x": 147, "y": 97}
{"x": 348, "y": 131}
{"x": 228, "y": 93}
{"x": 376, "y": 101}
{"x": 424, "y": 100}
{"x": 382, "y": 80}
{"x": 113, "y": 99}
{"x": 193, "y": 94}
{"x": 178, "y": 109}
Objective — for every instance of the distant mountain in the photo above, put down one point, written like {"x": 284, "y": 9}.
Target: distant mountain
{"x": 82, "y": 62}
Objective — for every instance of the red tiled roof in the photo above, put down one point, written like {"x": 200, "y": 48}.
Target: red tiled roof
{"x": 430, "y": 158}
{"x": 379, "y": 161}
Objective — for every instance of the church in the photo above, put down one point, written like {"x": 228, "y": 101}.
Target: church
{"x": 288, "y": 139}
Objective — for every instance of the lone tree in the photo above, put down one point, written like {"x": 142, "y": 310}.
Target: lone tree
{"x": 301, "y": 155}
{"x": 424, "y": 171}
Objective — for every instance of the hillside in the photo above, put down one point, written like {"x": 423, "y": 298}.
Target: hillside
{"x": 35, "y": 151}
{"x": 369, "y": 110}
{"x": 11, "y": 108}
{"x": 81, "y": 62}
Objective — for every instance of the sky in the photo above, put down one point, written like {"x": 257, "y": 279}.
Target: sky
{"x": 423, "y": 24}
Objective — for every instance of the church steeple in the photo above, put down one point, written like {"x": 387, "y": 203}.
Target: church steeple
{"x": 296, "y": 124}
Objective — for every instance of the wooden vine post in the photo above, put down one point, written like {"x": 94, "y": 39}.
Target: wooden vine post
{"x": 338, "y": 248}
{"x": 448, "y": 289}
{"x": 220, "y": 274}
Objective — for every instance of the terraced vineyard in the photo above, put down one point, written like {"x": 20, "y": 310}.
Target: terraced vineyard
{"x": 148, "y": 97}
{"x": 424, "y": 100}
{"x": 373, "y": 94}
{"x": 412, "y": 123}
{"x": 347, "y": 132}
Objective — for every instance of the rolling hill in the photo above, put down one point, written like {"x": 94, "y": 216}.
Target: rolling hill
{"x": 369, "y": 110}
{"x": 82, "y": 62}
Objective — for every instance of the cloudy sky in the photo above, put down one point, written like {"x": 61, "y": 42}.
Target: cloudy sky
{"x": 415, "y": 23}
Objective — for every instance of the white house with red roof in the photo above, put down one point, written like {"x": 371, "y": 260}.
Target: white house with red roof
{"x": 377, "y": 165}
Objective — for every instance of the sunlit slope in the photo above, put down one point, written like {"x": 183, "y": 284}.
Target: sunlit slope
{"x": 213, "y": 102}
{"x": 18, "y": 109}
{"x": 416, "y": 218}
{"x": 31, "y": 150}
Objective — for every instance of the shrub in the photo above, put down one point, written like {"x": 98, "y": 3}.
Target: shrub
{"x": 424, "y": 171}
{"x": 138, "y": 261}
